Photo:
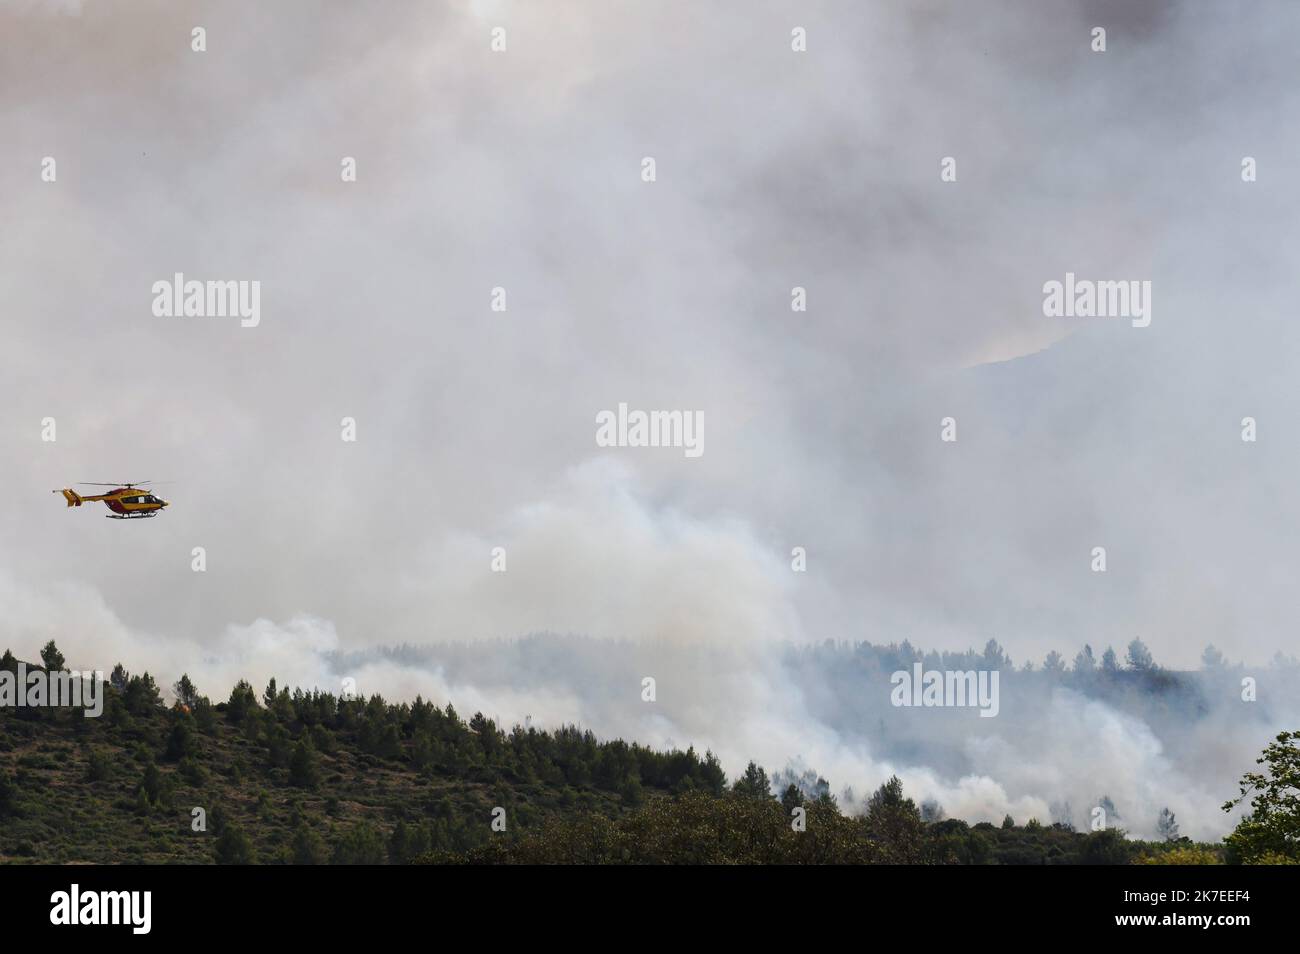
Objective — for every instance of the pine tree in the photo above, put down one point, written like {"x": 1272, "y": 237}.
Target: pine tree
{"x": 792, "y": 798}
{"x": 1139, "y": 657}
{"x": 360, "y": 845}
{"x": 185, "y": 692}
{"x": 304, "y": 766}
{"x": 712, "y": 778}
{"x": 754, "y": 783}
{"x": 152, "y": 784}
{"x": 895, "y": 825}
{"x": 234, "y": 848}
{"x": 180, "y": 742}
{"x": 99, "y": 767}
{"x": 308, "y": 847}
{"x": 51, "y": 657}
{"x": 8, "y": 796}
{"x": 141, "y": 695}
{"x": 242, "y": 701}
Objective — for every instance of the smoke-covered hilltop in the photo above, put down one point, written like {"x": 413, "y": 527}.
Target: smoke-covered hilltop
{"x": 306, "y": 777}
{"x": 1104, "y": 729}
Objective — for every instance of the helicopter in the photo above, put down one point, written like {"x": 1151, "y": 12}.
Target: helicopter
{"x": 127, "y": 501}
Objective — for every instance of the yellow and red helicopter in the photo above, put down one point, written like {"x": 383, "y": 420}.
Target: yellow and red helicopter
{"x": 127, "y": 501}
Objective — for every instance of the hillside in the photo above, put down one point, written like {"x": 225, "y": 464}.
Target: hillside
{"x": 296, "y": 776}
{"x": 308, "y": 777}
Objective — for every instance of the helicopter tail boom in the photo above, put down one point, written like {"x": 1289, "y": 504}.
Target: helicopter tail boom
{"x": 73, "y": 498}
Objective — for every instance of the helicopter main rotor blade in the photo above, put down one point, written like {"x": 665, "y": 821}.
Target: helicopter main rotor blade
{"x": 120, "y": 483}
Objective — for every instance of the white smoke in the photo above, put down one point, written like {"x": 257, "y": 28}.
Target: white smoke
{"x": 707, "y": 612}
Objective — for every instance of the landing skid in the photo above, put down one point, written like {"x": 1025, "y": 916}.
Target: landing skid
{"x": 129, "y": 516}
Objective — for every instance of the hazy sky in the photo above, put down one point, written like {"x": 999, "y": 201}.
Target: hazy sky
{"x": 522, "y": 169}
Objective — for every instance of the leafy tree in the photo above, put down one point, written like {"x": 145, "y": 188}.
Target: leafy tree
{"x": 1273, "y": 826}
{"x": 51, "y": 657}
{"x": 1108, "y": 847}
{"x": 1008, "y": 822}
{"x": 1181, "y": 855}
{"x": 1109, "y": 661}
{"x": 1054, "y": 663}
{"x": 8, "y": 662}
{"x": 269, "y": 696}
{"x": 1211, "y": 658}
{"x": 119, "y": 678}
{"x": 1084, "y": 661}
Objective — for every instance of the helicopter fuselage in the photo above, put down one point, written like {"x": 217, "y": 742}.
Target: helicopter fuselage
{"x": 125, "y": 502}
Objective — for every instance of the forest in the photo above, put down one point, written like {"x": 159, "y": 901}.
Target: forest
{"x": 287, "y": 776}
